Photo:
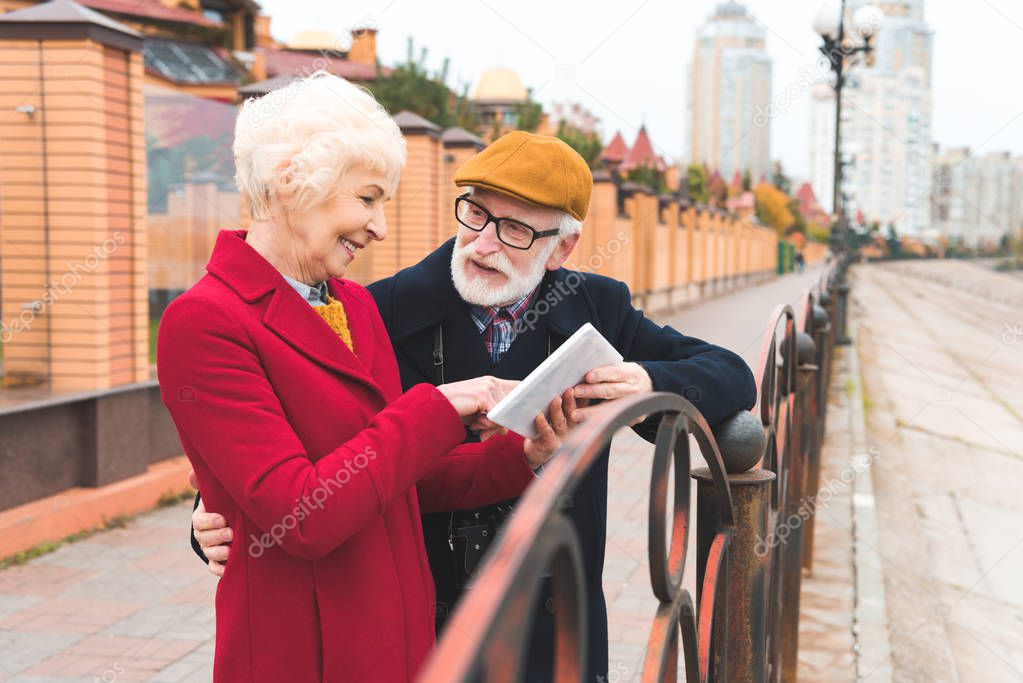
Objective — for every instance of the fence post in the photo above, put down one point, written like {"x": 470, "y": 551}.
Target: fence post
{"x": 73, "y": 191}
{"x": 841, "y": 334}
{"x": 746, "y": 620}
{"x": 740, "y": 634}
{"x": 791, "y": 517}
{"x": 818, "y": 397}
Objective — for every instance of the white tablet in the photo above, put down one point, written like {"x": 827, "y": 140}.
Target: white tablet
{"x": 566, "y": 367}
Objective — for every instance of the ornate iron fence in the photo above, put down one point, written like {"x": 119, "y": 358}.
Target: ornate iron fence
{"x": 743, "y": 625}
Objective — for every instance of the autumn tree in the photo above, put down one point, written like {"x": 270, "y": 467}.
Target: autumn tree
{"x": 717, "y": 191}
{"x": 772, "y": 207}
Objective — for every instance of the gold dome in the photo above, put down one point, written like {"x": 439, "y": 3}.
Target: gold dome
{"x": 500, "y": 85}
{"x": 316, "y": 40}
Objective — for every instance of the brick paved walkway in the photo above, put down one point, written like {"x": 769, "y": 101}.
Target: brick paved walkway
{"x": 130, "y": 604}
{"x": 133, "y": 604}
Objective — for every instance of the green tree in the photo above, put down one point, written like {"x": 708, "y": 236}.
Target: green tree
{"x": 465, "y": 112}
{"x": 799, "y": 221}
{"x": 747, "y": 182}
{"x": 647, "y": 176}
{"x": 818, "y": 233}
{"x": 530, "y": 113}
{"x": 411, "y": 86}
{"x": 892, "y": 241}
{"x": 696, "y": 183}
{"x": 588, "y": 145}
{"x": 780, "y": 180}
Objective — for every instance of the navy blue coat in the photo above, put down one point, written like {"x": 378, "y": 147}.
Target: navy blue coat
{"x": 418, "y": 299}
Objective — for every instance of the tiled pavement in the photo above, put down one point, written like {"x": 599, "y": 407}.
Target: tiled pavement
{"x": 129, "y": 604}
{"x": 134, "y": 603}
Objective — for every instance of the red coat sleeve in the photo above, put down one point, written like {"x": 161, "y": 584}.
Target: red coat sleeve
{"x": 476, "y": 474}
{"x": 232, "y": 421}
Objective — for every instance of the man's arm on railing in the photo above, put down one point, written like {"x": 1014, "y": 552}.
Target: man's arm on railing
{"x": 715, "y": 380}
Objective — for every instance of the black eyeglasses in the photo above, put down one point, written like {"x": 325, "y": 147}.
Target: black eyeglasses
{"x": 514, "y": 233}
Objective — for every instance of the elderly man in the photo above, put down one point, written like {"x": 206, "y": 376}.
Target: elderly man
{"x": 471, "y": 308}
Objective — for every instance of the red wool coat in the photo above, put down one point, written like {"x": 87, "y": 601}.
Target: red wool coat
{"x": 321, "y": 466}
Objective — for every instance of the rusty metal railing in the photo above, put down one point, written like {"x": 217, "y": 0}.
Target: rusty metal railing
{"x": 743, "y": 624}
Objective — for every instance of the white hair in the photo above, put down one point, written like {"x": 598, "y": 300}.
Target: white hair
{"x": 566, "y": 223}
{"x": 298, "y": 141}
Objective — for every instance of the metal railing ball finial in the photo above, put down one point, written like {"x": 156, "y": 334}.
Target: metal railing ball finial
{"x": 741, "y": 440}
{"x": 805, "y": 349}
{"x": 820, "y": 318}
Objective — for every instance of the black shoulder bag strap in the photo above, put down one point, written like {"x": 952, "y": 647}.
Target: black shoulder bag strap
{"x": 438, "y": 352}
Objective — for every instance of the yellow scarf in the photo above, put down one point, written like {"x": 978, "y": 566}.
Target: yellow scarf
{"x": 333, "y": 313}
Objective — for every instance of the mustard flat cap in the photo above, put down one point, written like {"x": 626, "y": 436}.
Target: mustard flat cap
{"x": 538, "y": 169}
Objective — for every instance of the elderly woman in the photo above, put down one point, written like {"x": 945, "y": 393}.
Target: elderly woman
{"x": 285, "y": 392}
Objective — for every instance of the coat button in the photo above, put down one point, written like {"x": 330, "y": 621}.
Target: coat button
{"x": 549, "y": 605}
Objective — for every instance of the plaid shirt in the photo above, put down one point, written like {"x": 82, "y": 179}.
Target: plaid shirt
{"x": 497, "y": 324}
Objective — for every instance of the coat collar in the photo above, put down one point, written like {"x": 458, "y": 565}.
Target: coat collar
{"x": 252, "y": 277}
{"x": 425, "y": 296}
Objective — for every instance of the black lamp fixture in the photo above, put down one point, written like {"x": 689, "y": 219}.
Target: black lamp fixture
{"x": 844, "y": 48}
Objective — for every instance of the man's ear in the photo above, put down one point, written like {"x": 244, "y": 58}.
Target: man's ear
{"x": 562, "y": 251}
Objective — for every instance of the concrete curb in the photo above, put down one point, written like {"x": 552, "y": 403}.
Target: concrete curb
{"x": 54, "y": 518}
{"x": 870, "y": 619}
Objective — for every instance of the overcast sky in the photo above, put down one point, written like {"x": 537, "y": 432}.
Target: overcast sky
{"x": 626, "y": 61}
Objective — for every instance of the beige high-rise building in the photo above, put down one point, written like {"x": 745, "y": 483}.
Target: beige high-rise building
{"x": 729, "y": 94}
{"x": 977, "y": 198}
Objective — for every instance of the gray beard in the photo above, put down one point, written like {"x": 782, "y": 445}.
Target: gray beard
{"x": 476, "y": 291}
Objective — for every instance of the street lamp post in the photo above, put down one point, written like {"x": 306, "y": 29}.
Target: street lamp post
{"x": 840, "y": 50}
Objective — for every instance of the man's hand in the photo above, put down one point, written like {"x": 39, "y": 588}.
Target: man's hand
{"x": 609, "y": 382}
{"x": 214, "y": 537}
{"x": 552, "y": 432}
